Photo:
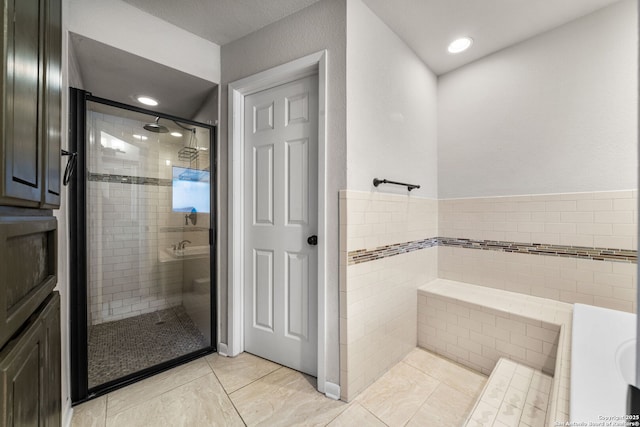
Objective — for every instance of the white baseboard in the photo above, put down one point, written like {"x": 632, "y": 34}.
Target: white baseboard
{"x": 332, "y": 391}
{"x": 67, "y": 415}
{"x": 222, "y": 350}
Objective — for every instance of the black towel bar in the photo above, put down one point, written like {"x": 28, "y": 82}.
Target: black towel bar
{"x": 377, "y": 182}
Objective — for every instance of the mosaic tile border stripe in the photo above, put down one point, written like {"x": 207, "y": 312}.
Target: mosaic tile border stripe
{"x": 597, "y": 254}
{"x": 128, "y": 179}
{"x": 363, "y": 255}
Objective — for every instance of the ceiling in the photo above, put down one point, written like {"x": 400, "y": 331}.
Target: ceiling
{"x": 426, "y": 26}
{"x": 117, "y": 75}
{"x": 220, "y": 21}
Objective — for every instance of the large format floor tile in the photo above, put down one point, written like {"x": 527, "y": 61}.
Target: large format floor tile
{"x": 285, "y": 397}
{"x": 356, "y": 415}
{"x": 422, "y": 390}
{"x": 149, "y": 388}
{"x": 398, "y": 394}
{"x": 91, "y": 414}
{"x": 446, "y": 406}
{"x": 453, "y": 374}
{"x": 198, "y": 403}
{"x": 237, "y": 372}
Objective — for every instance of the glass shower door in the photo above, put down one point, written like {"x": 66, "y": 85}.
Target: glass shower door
{"x": 148, "y": 214}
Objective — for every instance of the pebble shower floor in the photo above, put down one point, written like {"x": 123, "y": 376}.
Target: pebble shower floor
{"x": 126, "y": 346}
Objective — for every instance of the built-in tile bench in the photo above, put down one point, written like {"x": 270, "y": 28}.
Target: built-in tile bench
{"x": 476, "y": 326}
{"x": 514, "y": 395}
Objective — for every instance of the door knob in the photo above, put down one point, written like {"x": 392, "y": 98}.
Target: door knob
{"x": 312, "y": 240}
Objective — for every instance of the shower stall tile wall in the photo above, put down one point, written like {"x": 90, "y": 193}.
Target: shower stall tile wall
{"x": 126, "y": 279}
{"x": 131, "y": 222}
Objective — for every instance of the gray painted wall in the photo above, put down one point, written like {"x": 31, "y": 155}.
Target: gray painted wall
{"x": 554, "y": 114}
{"x": 391, "y": 109}
{"x": 318, "y": 27}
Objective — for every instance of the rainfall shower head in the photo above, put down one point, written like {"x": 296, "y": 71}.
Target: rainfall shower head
{"x": 156, "y": 127}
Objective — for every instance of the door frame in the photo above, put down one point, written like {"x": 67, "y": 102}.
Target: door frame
{"x": 315, "y": 63}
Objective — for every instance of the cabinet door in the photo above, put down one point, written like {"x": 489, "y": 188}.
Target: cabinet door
{"x": 52, "y": 371}
{"x": 28, "y": 262}
{"x": 52, "y": 103}
{"x": 30, "y": 371}
{"x": 22, "y": 385}
{"x": 22, "y": 174}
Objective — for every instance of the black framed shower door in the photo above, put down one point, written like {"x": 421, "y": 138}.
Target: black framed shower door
{"x": 142, "y": 244}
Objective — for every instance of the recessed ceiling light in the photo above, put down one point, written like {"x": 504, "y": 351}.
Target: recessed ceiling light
{"x": 140, "y": 137}
{"x": 460, "y": 45}
{"x": 176, "y": 134}
{"x": 146, "y": 100}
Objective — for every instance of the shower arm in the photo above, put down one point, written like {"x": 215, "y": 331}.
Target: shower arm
{"x": 184, "y": 127}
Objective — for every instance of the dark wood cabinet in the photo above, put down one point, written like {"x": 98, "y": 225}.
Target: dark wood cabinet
{"x": 30, "y": 185}
{"x": 52, "y": 100}
{"x": 30, "y": 105}
{"x": 52, "y": 365}
{"x": 30, "y": 370}
{"x": 27, "y": 268}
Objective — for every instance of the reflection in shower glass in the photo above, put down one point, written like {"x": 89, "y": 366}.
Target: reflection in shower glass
{"x": 149, "y": 263}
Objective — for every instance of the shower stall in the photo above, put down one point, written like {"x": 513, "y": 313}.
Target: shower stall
{"x": 142, "y": 243}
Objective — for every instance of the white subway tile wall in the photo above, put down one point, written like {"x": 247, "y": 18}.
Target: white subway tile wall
{"x": 128, "y": 223}
{"x": 378, "y": 300}
{"x": 606, "y": 284}
{"x": 597, "y": 219}
{"x": 379, "y": 219}
{"x": 371, "y": 292}
{"x": 125, "y": 277}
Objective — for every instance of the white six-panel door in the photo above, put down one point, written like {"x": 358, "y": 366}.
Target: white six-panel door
{"x": 281, "y": 185}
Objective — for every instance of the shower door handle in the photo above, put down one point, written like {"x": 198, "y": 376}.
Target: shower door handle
{"x": 312, "y": 240}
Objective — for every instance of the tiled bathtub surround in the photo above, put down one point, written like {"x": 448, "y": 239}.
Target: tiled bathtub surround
{"x": 476, "y": 326}
{"x": 514, "y": 395}
{"x": 378, "y": 299}
{"x": 364, "y": 255}
{"x": 595, "y": 219}
{"x": 606, "y": 284}
{"x": 597, "y": 254}
{"x": 389, "y": 246}
{"x": 477, "y": 335}
{"x": 371, "y": 220}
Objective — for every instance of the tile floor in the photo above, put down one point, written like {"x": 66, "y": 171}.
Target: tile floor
{"x": 422, "y": 390}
